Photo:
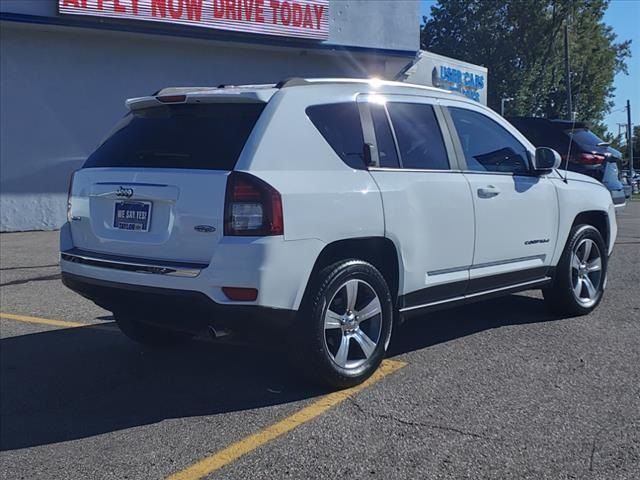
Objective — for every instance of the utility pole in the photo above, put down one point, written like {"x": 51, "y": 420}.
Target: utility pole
{"x": 567, "y": 69}
{"x": 629, "y": 137}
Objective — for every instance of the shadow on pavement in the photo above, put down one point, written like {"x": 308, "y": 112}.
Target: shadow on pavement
{"x": 444, "y": 325}
{"x": 74, "y": 383}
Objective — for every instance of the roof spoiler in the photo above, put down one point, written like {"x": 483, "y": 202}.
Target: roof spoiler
{"x": 178, "y": 96}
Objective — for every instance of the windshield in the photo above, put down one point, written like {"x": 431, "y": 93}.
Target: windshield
{"x": 209, "y": 136}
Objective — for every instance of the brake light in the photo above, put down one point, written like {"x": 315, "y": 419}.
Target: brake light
{"x": 591, "y": 159}
{"x": 172, "y": 99}
{"x": 69, "y": 196}
{"x": 252, "y": 207}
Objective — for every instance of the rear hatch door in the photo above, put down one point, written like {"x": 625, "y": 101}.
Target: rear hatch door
{"x": 155, "y": 188}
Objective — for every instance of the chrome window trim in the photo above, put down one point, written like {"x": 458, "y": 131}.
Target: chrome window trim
{"x": 409, "y": 170}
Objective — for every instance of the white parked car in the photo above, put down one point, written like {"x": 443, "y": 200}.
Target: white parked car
{"x": 330, "y": 208}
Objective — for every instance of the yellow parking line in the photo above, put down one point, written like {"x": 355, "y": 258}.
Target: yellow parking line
{"x": 42, "y": 321}
{"x": 54, "y": 323}
{"x": 236, "y": 450}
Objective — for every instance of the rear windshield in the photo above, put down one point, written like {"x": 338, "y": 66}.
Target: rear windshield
{"x": 584, "y": 136}
{"x": 207, "y": 136}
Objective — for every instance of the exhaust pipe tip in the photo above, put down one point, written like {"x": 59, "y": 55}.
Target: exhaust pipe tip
{"x": 217, "y": 333}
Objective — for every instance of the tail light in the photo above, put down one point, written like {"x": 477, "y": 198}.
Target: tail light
{"x": 69, "y": 196}
{"x": 240, "y": 294}
{"x": 252, "y": 207}
{"x": 590, "y": 159}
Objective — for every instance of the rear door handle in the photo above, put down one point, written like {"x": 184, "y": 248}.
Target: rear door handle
{"x": 488, "y": 192}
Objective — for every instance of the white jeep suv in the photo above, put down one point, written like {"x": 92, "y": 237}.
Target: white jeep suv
{"x": 336, "y": 207}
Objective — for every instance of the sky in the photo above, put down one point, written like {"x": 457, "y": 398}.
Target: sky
{"x": 624, "y": 16}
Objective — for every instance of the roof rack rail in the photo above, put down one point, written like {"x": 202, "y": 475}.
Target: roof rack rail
{"x": 292, "y": 82}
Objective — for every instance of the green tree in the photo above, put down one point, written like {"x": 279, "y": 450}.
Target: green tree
{"x": 521, "y": 43}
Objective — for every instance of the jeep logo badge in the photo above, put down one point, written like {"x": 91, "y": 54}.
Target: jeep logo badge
{"x": 124, "y": 192}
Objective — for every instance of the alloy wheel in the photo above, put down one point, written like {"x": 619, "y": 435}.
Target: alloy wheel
{"x": 586, "y": 272}
{"x": 353, "y": 324}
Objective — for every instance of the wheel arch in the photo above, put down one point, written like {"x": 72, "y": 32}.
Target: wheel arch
{"x": 598, "y": 219}
{"x": 380, "y": 252}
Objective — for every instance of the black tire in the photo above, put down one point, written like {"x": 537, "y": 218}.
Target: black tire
{"x": 560, "y": 297}
{"x": 320, "y": 349}
{"x": 145, "y": 334}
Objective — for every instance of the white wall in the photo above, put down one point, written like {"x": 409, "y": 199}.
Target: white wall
{"x": 62, "y": 88}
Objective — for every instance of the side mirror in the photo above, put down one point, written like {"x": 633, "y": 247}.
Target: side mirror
{"x": 546, "y": 159}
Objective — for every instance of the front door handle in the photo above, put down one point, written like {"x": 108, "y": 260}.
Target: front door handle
{"x": 488, "y": 192}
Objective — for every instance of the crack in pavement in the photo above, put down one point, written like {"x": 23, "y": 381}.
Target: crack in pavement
{"x": 596, "y": 438}
{"x": 593, "y": 448}
{"x": 420, "y": 424}
{"x": 55, "y": 276}
{"x": 29, "y": 267}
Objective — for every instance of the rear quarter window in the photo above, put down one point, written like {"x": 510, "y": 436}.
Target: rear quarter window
{"x": 339, "y": 124}
{"x": 205, "y": 136}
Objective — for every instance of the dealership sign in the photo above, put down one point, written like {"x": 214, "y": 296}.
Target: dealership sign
{"x": 290, "y": 18}
{"x": 443, "y": 72}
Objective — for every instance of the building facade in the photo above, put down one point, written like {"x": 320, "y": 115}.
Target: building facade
{"x": 66, "y": 67}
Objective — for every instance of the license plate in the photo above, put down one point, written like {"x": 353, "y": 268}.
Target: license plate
{"x": 134, "y": 216}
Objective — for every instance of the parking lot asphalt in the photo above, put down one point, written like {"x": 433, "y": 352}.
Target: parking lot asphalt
{"x": 498, "y": 389}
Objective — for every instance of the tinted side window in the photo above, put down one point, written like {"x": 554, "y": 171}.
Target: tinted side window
{"x": 339, "y": 124}
{"x": 384, "y": 138}
{"x": 487, "y": 146}
{"x": 419, "y": 137}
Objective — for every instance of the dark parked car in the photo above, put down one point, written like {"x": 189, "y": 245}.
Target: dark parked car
{"x": 588, "y": 153}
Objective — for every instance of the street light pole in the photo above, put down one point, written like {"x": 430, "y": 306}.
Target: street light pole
{"x": 502, "y": 100}
{"x": 630, "y": 138}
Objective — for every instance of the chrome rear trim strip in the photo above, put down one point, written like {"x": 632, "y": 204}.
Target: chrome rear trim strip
{"x": 131, "y": 265}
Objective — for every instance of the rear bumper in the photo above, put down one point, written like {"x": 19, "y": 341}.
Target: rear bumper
{"x": 179, "y": 310}
{"x": 279, "y": 269}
